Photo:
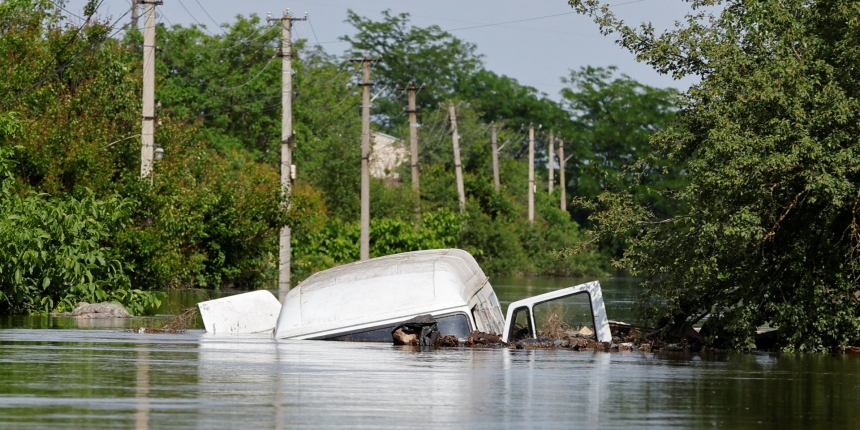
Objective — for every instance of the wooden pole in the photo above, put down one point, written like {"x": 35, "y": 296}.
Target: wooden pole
{"x": 562, "y": 183}
{"x": 495, "y": 146}
{"x": 365, "y": 159}
{"x": 135, "y": 13}
{"x": 287, "y": 169}
{"x": 531, "y": 174}
{"x": 413, "y": 143}
{"x": 147, "y": 147}
{"x": 458, "y": 169}
{"x": 551, "y": 155}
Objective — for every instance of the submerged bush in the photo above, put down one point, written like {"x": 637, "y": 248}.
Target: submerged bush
{"x": 55, "y": 252}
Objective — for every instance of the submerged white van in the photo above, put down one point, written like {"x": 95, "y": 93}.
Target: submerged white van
{"x": 367, "y": 300}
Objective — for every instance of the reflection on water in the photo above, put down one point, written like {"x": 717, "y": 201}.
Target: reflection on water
{"x": 141, "y": 419}
{"x": 110, "y": 379}
{"x": 65, "y": 377}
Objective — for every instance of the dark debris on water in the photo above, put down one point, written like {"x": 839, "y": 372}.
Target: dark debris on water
{"x": 422, "y": 331}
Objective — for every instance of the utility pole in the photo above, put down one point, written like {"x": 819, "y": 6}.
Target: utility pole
{"x": 551, "y": 154}
{"x": 287, "y": 169}
{"x": 413, "y": 141}
{"x": 562, "y": 183}
{"x": 135, "y": 13}
{"x": 493, "y": 144}
{"x": 365, "y": 157}
{"x": 458, "y": 168}
{"x": 531, "y": 174}
{"x": 147, "y": 147}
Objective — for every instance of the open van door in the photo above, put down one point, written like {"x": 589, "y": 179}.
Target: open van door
{"x": 564, "y": 309}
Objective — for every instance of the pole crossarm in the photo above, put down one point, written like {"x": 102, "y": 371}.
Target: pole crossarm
{"x": 286, "y": 16}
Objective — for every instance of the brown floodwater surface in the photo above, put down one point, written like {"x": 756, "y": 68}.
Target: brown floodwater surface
{"x": 54, "y": 374}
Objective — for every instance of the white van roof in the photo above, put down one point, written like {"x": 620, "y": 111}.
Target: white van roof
{"x": 380, "y": 290}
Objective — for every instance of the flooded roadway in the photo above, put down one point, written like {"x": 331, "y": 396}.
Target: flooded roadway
{"x": 109, "y": 378}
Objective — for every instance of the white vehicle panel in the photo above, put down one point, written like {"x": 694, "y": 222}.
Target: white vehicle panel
{"x": 598, "y": 310}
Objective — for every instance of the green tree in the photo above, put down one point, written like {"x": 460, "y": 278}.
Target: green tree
{"x": 613, "y": 119}
{"x": 768, "y": 142}
{"x": 56, "y": 252}
{"x": 502, "y": 99}
{"x": 229, "y": 81}
{"x": 229, "y": 86}
{"x": 71, "y": 98}
{"x": 407, "y": 54}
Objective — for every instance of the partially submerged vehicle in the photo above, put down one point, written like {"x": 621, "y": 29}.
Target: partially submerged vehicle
{"x": 368, "y": 300}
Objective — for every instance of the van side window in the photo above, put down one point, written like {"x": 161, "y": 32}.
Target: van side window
{"x": 522, "y": 326}
{"x": 382, "y": 334}
{"x": 456, "y": 325}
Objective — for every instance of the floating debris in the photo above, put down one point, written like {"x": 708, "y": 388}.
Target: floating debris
{"x": 176, "y": 324}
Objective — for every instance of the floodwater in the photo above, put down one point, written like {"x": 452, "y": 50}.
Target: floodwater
{"x": 63, "y": 376}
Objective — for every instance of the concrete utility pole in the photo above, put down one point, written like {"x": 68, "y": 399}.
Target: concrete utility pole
{"x": 413, "y": 141}
{"x": 562, "y": 183}
{"x": 135, "y": 13}
{"x": 495, "y": 147}
{"x": 458, "y": 168}
{"x": 365, "y": 158}
{"x": 531, "y": 174}
{"x": 550, "y": 155}
{"x": 288, "y": 171}
{"x": 147, "y": 147}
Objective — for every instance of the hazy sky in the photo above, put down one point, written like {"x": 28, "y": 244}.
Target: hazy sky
{"x": 537, "y": 52}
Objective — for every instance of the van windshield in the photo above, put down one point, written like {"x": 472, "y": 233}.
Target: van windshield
{"x": 456, "y": 325}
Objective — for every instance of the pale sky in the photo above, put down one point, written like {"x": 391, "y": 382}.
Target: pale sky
{"x": 536, "y": 52}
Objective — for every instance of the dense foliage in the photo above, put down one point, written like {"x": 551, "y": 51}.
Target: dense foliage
{"x": 70, "y": 122}
{"x": 768, "y": 143}
{"x": 209, "y": 217}
{"x": 54, "y": 252}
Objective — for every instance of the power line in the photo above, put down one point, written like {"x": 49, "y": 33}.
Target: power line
{"x": 534, "y": 18}
{"x": 313, "y": 31}
{"x": 252, "y": 79}
{"x": 247, "y": 41}
{"x": 59, "y": 6}
{"x": 515, "y": 21}
{"x": 195, "y": 18}
{"x": 161, "y": 14}
{"x": 207, "y": 14}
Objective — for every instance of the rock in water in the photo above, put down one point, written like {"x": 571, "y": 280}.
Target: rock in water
{"x": 586, "y": 331}
{"x": 86, "y": 310}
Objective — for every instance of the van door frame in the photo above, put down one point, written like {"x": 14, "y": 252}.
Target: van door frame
{"x": 595, "y": 298}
